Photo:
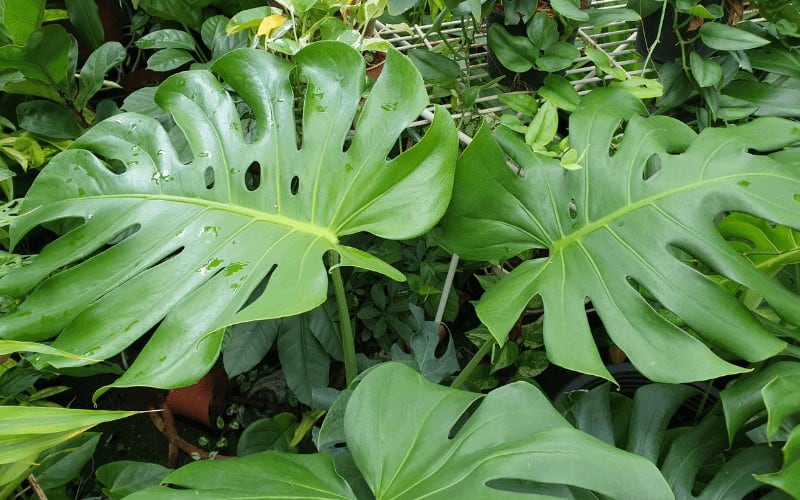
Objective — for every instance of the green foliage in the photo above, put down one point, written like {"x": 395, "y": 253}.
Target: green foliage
{"x": 201, "y": 240}
{"x": 619, "y": 230}
{"x": 694, "y": 459}
{"x": 449, "y": 443}
{"x": 547, "y": 45}
{"x": 26, "y": 433}
{"x": 125, "y": 477}
{"x": 774, "y": 388}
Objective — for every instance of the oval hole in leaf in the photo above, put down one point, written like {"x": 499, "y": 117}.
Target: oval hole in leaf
{"x": 168, "y": 257}
{"x": 295, "y": 185}
{"x": 124, "y": 234}
{"x": 472, "y": 408}
{"x": 573, "y": 209}
{"x": 651, "y": 168}
{"x": 526, "y": 486}
{"x": 210, "y": 178}
{"x": 258, "y": 291}
{"x": 252, "y": 176}
{"x": 117, "y": 166}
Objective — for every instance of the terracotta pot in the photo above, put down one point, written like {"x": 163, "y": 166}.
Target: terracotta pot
{"x": 374, "y": 69}
{"x": 203, "y": 401}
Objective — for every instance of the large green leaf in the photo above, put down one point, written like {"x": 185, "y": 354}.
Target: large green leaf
{"x": 625, "y": 229}
{"x": 269, "y": 474}
{"x": 447, "y": 444}
{"x": 237, "y": 234}
{"x": 454, "y": 444}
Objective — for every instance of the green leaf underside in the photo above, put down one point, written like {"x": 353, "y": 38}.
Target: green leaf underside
{"x": 628, "y": 229}
{"x": 186, "y": 245}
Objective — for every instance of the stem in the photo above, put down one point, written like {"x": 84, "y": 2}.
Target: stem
{"x": 348, "y": 343}
{"x": 473, "y": 363}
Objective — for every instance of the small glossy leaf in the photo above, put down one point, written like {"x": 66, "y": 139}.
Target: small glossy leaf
{"x": 559, "y": 92}
{"x": 642, "y": 88}
{"x": 247, "y": 345}
{"x": 48, "y": 119}
{"x": 169, "y": 59}
{"x": 514, "y": 52}
{"x": 542, "y": 31}
{"x": 85, "y": 17}
{"x": 706, "y": 72}
{"x": 44, "y": 57}
{"x": 166, "y": 39}
{"x": 603, "y": 17}
{"x": 215, "y": 38}
{"x": 22, "y": 17}
{"x": 521, "y": 103}
{"x": 248, "y": 19}
{"x": 543, "y": 127}
{"x": 99, "y": 62}
{"x": 397, "y": 7}
{"x": 186, "y": 12}
{"x": 305, "y": 363}
{"x": 434, "y": 68}
{"x": 63, "y": 462}
{"x": 424, "y": 344}
{"x": 623, "y": 233}
{"x": 723, "y": 37}
{"x": 569, "y": 9}
{"x": 124, "y": 478}
{"x": 558, "y": 56}
{"x": 272, "y": 433}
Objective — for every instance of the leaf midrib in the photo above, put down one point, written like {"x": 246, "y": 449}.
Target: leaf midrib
{"x": 603, "y": 222}
{"x": 276, "y": 219}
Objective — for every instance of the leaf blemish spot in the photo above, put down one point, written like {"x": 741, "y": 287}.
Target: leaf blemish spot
{"x": 744, "y": 183}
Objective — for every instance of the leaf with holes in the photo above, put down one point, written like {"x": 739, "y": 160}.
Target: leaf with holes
{"x": 238, "y": 233}
{"x": 449, "y": 444}
{"x": 637, "y": 223}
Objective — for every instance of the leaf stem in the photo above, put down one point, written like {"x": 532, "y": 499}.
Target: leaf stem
{"x": 473, "y": 363}
{"x": 348, "y": 343}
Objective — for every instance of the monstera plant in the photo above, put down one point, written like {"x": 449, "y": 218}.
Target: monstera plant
{"x": 634, "y": 231}
{"x": 451, "y": 443}
{"x": 237, "y": 233}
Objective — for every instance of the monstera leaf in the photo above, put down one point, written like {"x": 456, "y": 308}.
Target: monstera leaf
{"x": 239, "y": 232}
{"x": 449, "y": 444}
{"x": 626, "y": 230}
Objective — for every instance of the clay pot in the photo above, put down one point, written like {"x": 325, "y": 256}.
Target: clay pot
{"x": 374, "y": 69}
{"x": 202, "y": 401}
